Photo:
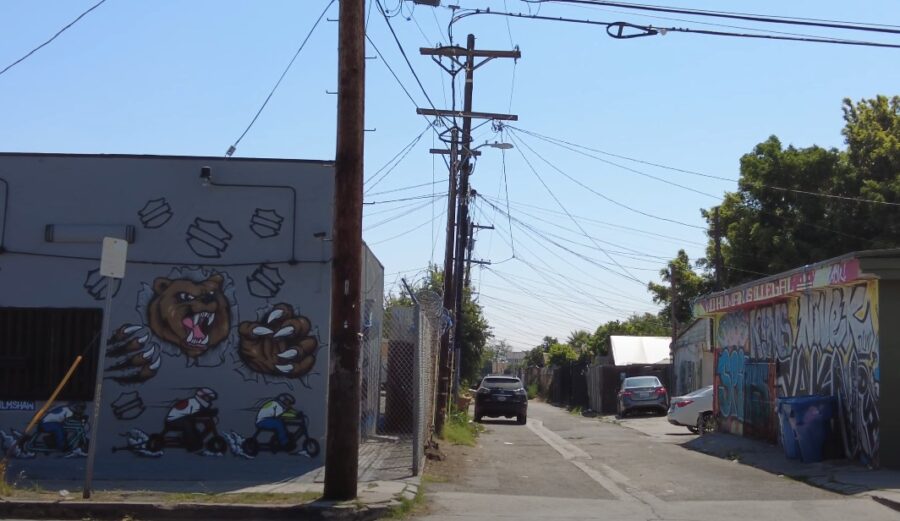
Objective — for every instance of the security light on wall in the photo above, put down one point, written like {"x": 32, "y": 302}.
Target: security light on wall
{"x": 205, "y": 175}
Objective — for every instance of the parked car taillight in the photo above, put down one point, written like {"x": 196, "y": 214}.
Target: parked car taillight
{"x": 661, "y": 391}
{"x": 627, "y": 393}
{"x": 683, "y": 403}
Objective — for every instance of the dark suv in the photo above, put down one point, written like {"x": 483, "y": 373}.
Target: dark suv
{"x": 501, "y": 396}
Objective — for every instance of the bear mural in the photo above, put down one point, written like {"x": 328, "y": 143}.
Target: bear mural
{"x": 190, "y": 313}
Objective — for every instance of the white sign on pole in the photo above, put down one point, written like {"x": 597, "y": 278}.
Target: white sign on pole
{"x": 113, "y": 258}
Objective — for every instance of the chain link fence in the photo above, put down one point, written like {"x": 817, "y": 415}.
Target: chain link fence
{"x": 398, "y": 413}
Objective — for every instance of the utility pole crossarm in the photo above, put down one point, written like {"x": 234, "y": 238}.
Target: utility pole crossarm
{"x": 465, "y": 114}
{"x": 475, "y": 153}
{"x": 457, "y": 51}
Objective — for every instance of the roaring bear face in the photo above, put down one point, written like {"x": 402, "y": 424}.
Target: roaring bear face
{"x": 195, "y": 316}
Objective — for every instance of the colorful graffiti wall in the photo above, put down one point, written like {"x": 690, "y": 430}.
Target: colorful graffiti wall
{"x": 823, "y": 341}
{"x": 217, "y": 362}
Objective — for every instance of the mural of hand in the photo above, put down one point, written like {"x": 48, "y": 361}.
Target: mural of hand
{"x": 280, "y": 344}
{"x": 136, "y": 358}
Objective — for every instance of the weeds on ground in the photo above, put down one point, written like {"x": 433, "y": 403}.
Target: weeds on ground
{"x": 532, "y": 391}
{"x": 407, "y": 506}
{"x": 6, "y": 489}
{"x": 458, "y": 430}
{"x": 576, "y": 410}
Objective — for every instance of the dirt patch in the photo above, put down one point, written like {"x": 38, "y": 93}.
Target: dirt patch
{"x": 455, "y": 466}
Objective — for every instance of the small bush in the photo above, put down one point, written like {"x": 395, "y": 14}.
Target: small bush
{"x": 532, "y": 391}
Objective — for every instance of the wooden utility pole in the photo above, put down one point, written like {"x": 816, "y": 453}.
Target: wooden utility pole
{"x": 342, "y": 448}
{"x": 444, "y": 361}
{"x": 462, "y": 225}
{"x": 673, "y": 303}
{"x": 455, "y": 244}
{"x": 717, "y": 238}
{"x": 469, "y": 247}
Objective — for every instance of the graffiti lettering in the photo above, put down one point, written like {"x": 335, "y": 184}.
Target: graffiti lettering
{"x": 770, "y": 332}
{"x": 730, "y": 371}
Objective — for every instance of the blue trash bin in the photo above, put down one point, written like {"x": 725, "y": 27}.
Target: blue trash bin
{"x": 788, "y": 435}
{"x": 812, "y": 420}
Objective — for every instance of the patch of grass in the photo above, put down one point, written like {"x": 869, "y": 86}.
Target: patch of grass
{"x": 407, "y": 506}
{"x": 458, "y": 430}
{"x": 532, "y": 391}
{"x": 576, "y": 410}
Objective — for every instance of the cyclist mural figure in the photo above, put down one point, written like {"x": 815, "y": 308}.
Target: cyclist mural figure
{"x": 288, "y": 428}
{"x": 54, "y": 422}
{"x": 271, "y": 417}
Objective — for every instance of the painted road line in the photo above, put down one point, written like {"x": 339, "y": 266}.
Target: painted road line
{"x": 568, "y": 450}
{"x": 609, "y": 478}
{"x": 604, "y": 481}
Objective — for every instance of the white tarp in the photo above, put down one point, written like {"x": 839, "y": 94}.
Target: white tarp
{"x": 627, "y": 350}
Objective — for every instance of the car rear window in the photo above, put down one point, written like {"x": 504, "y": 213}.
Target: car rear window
{"x": 501, "y": 383}
{"x": 642, "y": 381}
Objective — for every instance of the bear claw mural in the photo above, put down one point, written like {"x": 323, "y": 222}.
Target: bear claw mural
{"x": 278, "y": 343}
{"x": 189, "y": 313}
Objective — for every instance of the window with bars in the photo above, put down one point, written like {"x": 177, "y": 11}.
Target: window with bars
{"x": 37, "y": 347}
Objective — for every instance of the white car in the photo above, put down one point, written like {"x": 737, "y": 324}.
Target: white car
{"x": 693, "y": 410}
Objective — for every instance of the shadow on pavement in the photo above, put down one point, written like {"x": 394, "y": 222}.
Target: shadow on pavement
{"x": 841, "y": 476}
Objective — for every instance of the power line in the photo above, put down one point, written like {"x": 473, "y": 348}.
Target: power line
{"x": 607, "y": 198}
{"x": 634, "y": 171}
{"x": 41, "y": 46}
{"x": 711, "y": 24}
{"x": 233, "y": 147}
{"x": 772, "y": 214}
{"x": 785, "y": 20}
{"x": 426, "y": 196}
{"x": 545, "y": 236}
{"x": 403, "y": 213}
{"x": 573, "y": 285}
{"x": 404, "y": 188}
{"x": 407, "y": 232}
{"x": 617, "y": 30}
{"x": 588, "y": 219}
{"x": 557, "y": 142}
{"x": 625, "y": 272}
{"x": 403, "y": 52}
{"x": 395, "y": 161}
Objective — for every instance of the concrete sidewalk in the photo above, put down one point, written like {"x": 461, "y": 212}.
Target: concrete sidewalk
{"x": 845, "y": 477}
{"x": 841, "y": 476}
{"x": 386, "y": 481}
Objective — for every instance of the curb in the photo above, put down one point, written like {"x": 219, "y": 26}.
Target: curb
{"x": 317, "y": 510}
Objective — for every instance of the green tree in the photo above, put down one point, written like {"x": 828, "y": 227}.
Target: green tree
{"x": 475, "y": 331}
{"x": 690, "y": 285}
{"x": 647, "y": 324}
{"x": 561, "y": 354}
{"x": 776, "y": 222}
{"x": 535, "y": 357}
{"x": 579, "y": 341}
{"x": 474, "y": 336}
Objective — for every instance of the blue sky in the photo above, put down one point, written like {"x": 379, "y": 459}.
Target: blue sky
{"x": 175, "y": 77}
